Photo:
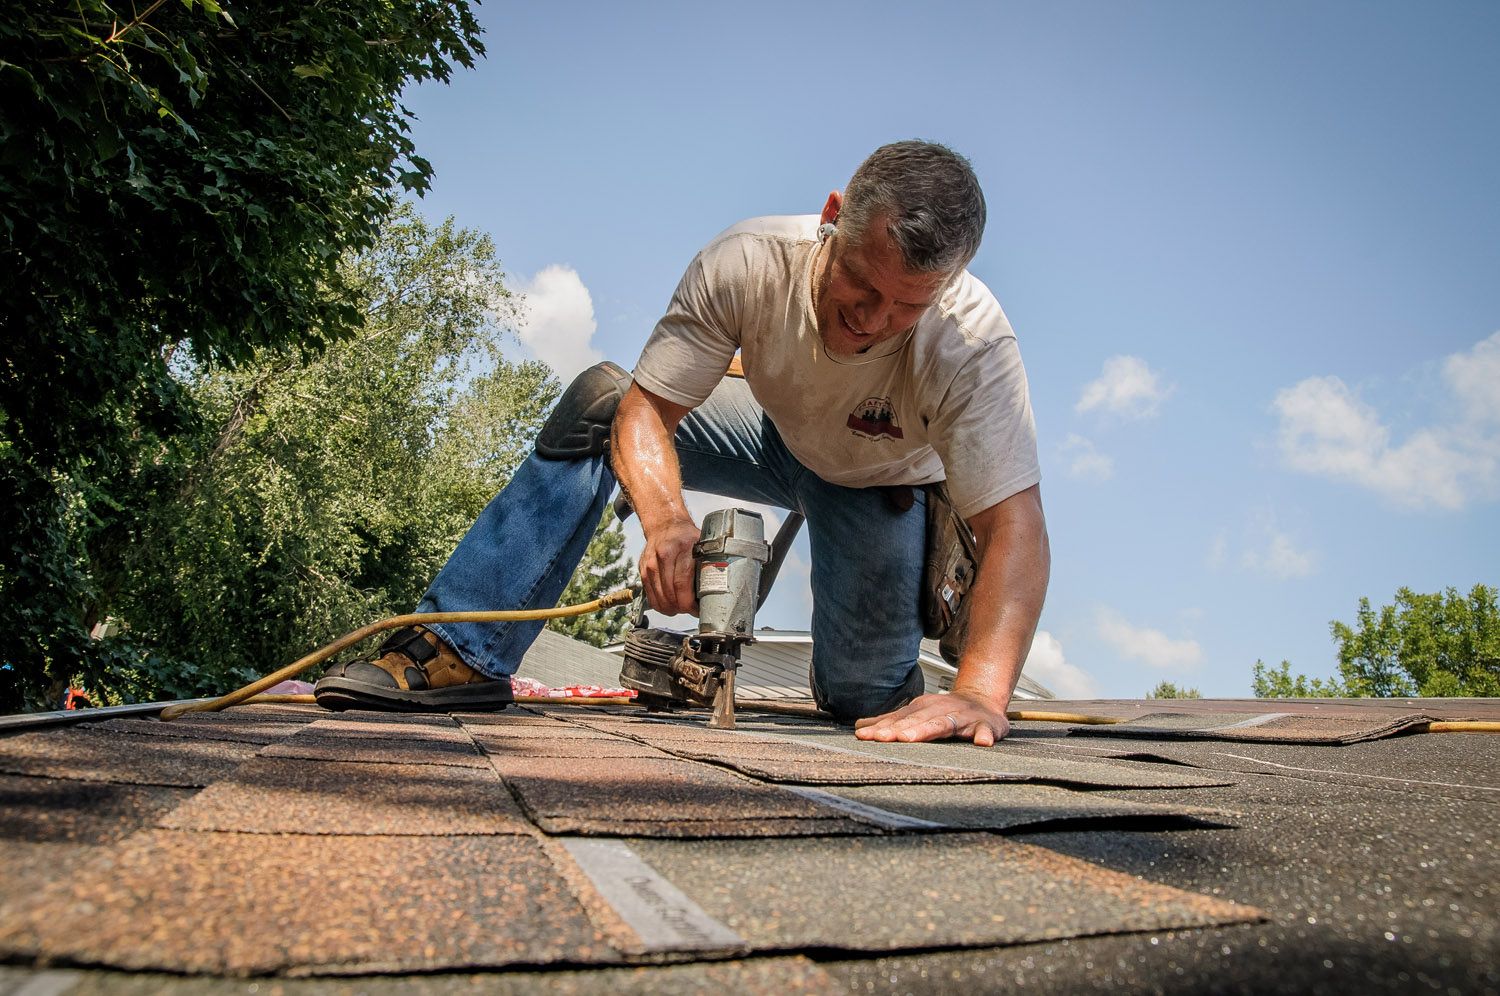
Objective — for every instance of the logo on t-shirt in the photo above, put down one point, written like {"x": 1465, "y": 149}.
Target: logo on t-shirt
{"x": 874, "y": 418}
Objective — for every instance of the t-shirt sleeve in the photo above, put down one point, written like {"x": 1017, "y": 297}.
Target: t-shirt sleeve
{"x": 984, "y": 430}
{"x": 690, "y": 348}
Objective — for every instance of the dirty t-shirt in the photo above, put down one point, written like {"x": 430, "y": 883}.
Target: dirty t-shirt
{"x": 949, "y": 401}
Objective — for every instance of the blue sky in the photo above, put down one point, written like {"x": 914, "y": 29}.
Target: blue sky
{"x": 1251, "y": 252}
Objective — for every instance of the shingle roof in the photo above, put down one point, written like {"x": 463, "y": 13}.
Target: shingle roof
{"x": 584, "y": 848}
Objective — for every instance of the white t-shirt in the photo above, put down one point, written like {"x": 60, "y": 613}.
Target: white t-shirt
{"x": 949, "y": 401}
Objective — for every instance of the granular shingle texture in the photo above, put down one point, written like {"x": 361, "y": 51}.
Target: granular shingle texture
{"x": 1013, "y": 807}
{"x": 882, "y": 893}
{"x": 750, "y": 977}
{"x": 49, "y": 826}
{"x": 256, "y": 731}
{"x": 330, "y": 746}
{"x": 1002, "y": 763}
{"x": 535, "y": 731}
{"x": 1265, "y": 727}
{"x": 647, "y": 796}
{"x": 432, "y": 849}
{"x": 502, "y": 748}
{"x": 363, "y": 729}
{"x": 293, "y": 795}
{"x": 62, "y": 811}
{"x": 94, "y": 756}
{"x": 240, "y": 904}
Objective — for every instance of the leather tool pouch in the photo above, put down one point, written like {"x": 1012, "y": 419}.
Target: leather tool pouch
{"x": 947, "y": 574}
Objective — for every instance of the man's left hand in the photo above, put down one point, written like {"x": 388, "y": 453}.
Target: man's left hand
{"x": 938, "y": 717}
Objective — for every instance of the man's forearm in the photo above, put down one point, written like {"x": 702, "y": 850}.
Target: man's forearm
{"x": 645, "y": 462}
{"x": 1015, "y": 563}
{"x": 644, "y": 459}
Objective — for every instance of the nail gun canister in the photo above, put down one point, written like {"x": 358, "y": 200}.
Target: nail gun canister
{"x": 729, "y": 555}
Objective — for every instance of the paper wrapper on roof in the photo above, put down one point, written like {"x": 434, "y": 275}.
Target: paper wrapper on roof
{"x": 531, "y": 688}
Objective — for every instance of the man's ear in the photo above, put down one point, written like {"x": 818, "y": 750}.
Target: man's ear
{"x": 831, "y": 208}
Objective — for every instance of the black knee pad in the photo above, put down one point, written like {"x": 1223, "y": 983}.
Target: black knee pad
{"x": 579, "y": 426}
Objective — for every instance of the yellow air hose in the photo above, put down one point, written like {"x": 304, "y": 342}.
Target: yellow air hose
{"x": 622, "y": 597}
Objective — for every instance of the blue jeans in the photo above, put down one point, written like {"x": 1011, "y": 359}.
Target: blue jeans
{"x": 866, "y": 554}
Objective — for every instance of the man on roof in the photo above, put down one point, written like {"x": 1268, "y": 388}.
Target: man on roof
{"x": 872, "y": 359}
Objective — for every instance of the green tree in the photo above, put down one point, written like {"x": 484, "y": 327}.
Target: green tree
{"x": 1449, "y": 643}
{"x": 178, "y": 185}
{"x": 1168, "y": 690}
{"x": 1441, "y": 644}
{"x": 1369, "y": 653}
{"x": 331, "y": 489}
{"x": 603, "y": 570}
{"x": 1280, "y": 683}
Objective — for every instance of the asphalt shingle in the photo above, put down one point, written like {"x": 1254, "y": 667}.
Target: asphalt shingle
{"x": 237, "y": 904}
{"x": 1025, "y": 807}
{"x": 660, "y": 797}
{"x": 294, "y": 795}
{"x": 97, "y": 756}
{"x": 1259, "y": 727}
{"x": 885, "y": 893}
{"x": 325, "y": 745}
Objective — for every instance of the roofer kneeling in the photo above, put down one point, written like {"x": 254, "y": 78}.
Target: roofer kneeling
{"x": 872, "y": 359}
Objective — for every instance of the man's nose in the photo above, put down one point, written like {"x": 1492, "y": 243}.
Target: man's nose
{"x": 873, "y": 312}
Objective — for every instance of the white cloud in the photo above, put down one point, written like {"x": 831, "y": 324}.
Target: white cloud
{"x": 1325, "y": 429}
{"x": 1475, "y": 379}
{"x": 1084, "y": 461}
{"x": 558, "y": 323}
{"x": 1045, "y": 663}
{"x": 1280, "y": 557}
{"x": 1149, "y": 646}
{"x": 1127, "y": 387}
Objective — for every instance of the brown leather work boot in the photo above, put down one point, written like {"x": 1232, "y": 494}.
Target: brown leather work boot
{"x": 413, "y": 671}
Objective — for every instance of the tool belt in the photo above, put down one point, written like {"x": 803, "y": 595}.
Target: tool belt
{"x": 948, "y": 572}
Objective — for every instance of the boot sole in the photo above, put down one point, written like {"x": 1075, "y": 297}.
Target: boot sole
{"x": 339, "y": 694}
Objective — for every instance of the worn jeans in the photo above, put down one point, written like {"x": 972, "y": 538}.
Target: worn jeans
{"x": 866, "y": 554}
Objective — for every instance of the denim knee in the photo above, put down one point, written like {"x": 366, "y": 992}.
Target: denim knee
{"x": 848, "y": 700}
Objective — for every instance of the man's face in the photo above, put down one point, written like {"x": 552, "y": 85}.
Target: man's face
{"x": 864, "y": 295}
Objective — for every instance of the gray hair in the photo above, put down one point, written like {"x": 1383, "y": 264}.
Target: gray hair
{"x": 930, "y": 201}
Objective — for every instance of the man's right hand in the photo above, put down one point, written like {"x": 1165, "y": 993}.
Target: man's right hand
{"x": 667, "y": 567}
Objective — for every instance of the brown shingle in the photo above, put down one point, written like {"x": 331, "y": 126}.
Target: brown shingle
{"x": 97, "y": 756}
{"x": 656, "y": 797}
{"x": 247, "y": 903}
{"x": 294, "y": 795}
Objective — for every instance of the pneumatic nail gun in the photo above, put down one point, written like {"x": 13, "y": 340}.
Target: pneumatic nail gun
{"x": 733, "y": 570}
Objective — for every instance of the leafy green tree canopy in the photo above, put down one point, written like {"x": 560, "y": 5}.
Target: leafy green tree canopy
{"x": 604, "y": 569}
{"x": 324, "y": 492}
{"x": 1279, "y": 683}
{"x": 182, "y": 171}
{"x": 1432, "y": 645}
{"x": 1441, "y": 644}
{"x": 179, "y": 182}
{"x": 1168, "y": 690}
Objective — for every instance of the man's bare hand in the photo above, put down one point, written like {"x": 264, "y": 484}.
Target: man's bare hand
{"x": 938, "y": 717}
{"x": 667, "y": 567}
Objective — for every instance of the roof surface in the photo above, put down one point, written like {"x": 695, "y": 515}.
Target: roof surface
{"x": 1201, "y": 847}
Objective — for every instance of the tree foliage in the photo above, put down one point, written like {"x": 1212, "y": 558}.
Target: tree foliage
{"x": 1441, "y": 644}
{"x": 1169, "y": 690}
{"x": 328, "y": 491}
{"x": 603, "y": 570}
{"x": 1279, "y": 683}
{"x": 179, "y": 182}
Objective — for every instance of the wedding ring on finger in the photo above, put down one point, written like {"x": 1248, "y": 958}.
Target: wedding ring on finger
{"x": 952, "y": 719}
